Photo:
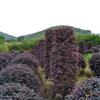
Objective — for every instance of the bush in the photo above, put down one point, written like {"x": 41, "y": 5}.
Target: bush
{"x": 82, "y": 47}
{"x": 88, "y": 56}
{"x": 28, "y": 59}
{"x": 95, "y": 64}
{"x": 7, "y": 55}
{"x": 4, "y": 60}
{"x": 16, "y": 91}
{"x": 62, "y": 58}
{"x": 29, "y": 43}
{"x": 88, "y": 90}
{"x": 48, "y": 47}
{"x": 39, "y": 51}
{"x": 20, "y": 74}
{"x": 87, "y": 41}
{"x": 96, "y": 49}
{"x": 4, "y": 48}
{"x": 15, "y": 45}
{"x": 14, "y": 53}
{"x": 81, "y": 63}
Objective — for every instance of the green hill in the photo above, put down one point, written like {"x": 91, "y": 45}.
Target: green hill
{"x": 78, "y": 30}
{"x": 7, "y": 36}
{"x": 37, "y": 35}
{"x": 40, "y": 35}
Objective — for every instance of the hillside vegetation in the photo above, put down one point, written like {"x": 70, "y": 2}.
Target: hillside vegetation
{"x": 7, "y": 36}
{"x": 40, "y": 34}
{"x": 58, "y": 63}
{"x": 28, "y": 41}
{"x": 88, "y": 40}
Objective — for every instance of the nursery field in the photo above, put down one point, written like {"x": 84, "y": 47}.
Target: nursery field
{"x": 58, "y": 64}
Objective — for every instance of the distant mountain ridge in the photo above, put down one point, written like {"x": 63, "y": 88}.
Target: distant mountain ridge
{"x": 40, "y": 34}
{"x": 82, "y": 31}
{"x": 7, "y": 36}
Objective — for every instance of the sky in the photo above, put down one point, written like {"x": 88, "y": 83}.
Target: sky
{"x": 21, "y": 17}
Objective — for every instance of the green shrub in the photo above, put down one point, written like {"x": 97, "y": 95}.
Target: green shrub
{"x": 15, "y": 46}
{"x": 2, "y": 39}
{"x": 88, "y": 56}
{"x": 4, "y": 48}
{"x": 92, "y": 39}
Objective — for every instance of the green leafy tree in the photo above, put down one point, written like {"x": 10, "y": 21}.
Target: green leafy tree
{"x": 21, "y": 38}
{"x": 2, "y": 39}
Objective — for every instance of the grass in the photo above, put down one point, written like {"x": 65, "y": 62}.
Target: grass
{"x": 87, "y": 71}
{"x": 87, "y": 56}
{"x": 47, "y": 84}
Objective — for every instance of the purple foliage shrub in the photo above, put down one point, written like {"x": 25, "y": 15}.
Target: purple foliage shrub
{"x": 84, "y": 47}
{"x": 88, "y": 90}
{"x": 96, "y": 49}
{"x": 81, "y": 63}
{"x": 61, "y": 58}
{"x": 48, "y": 47}
{"x": 4, "y": 60}
{"x": 14, "y": 53}
{"x": 95, "y": 64}
{"x": 16, "y": 91}
{"x": 27, "y": 59}
{"x": 20, "y": 74}
{"x": 39, "y": 51}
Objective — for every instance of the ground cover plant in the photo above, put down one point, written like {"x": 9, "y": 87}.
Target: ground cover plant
{"x": 59, "y": 64}
{"x": 16, "y": 91}
{"x": 39, "y": 51}
{"x": 18, "y": 73}
{"x": 95, "y": 64}
{"x": 88, "y": 90}
{"x": 5, "y": 60}
{"x": 27, "y": 59}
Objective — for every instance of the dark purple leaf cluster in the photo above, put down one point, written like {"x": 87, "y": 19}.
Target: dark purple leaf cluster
{"x": 14, "y": 53}
{"x": 5, "y": 59}
{"x": 19, "y": 73}
{"x": 84, "y": 47}
{"x": 95, "y": 64}
{"x": 27, "y": 59}
{"x": 48, "y": 47}
{"x": 88, "y": 90}
{"x": 16, "y": 91}
{"x": 96, "y": 49}
{"x": 42, "y": 52}
{"x": 22, "y": 69}
{"x": 61, "y": 58}
{"x": 39, "y": 51}
{"x": 81, "y": 63}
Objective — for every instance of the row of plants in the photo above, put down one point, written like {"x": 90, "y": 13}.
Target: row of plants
{"x": 62, "y": 63}
{"x": 19, "y": 78}
{"x": 7, "y": 46}
{"x": 85, "y": 41}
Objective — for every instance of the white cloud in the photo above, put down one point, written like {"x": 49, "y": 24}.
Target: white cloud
{"x": 18, "y": 17}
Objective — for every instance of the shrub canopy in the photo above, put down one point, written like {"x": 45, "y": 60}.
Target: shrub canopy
{"x": 16, "y": 91}
{"x": 88, "y": 90}
{"x": 95, "y": 64}
{"x": 20, "y": 74}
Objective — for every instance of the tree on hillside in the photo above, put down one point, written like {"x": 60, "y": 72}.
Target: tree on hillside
{"x": 2, "y": 39}
{"x": 21, "y": 38}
